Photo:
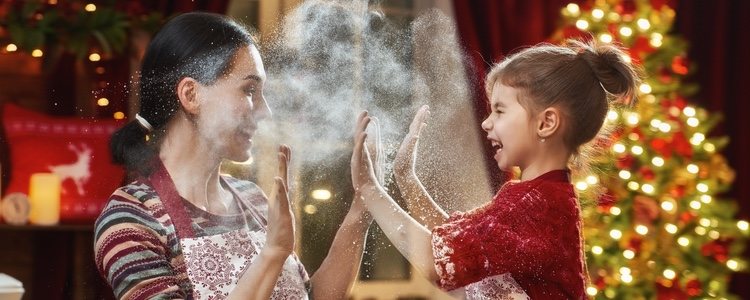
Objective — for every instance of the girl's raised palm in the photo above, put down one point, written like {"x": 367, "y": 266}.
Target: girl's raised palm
{"x": 406, "y": 157}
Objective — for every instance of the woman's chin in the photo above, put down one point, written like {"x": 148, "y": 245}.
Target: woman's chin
{"x": 241, "y": 155}
{"x": 245, "y": 159}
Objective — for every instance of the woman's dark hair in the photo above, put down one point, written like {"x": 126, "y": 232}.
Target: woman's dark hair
{"x": 197, "y": 45}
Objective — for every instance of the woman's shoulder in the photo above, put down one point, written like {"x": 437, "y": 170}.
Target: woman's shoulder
{"x": 135, "y": 203}
{"x": 242, "y": 185}
{"x": 136, "y": 195}
{"x": 247, "y": 190}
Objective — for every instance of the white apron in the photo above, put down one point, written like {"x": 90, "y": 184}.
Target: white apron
{"x": 214, "y": 263}
{"x": 498, "y": 287}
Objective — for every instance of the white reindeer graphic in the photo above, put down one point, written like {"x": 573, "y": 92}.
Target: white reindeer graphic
{"x": 79, "y": 171}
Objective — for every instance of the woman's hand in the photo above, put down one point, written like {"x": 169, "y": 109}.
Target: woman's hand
{"x": 406, "y": 158}
{"x": 258, "y": 281}
{"x": 280, "y": 238}
{"x": 363, "y": 175}
{"x": 373, "y": 147}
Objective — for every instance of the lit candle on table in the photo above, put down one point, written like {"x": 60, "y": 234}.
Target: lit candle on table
{"x": 44, "y": 197}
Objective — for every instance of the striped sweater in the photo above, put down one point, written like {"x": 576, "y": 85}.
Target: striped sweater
{"x": 136, "y": 249}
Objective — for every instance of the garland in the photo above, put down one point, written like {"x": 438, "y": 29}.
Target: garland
{"x": 73, "y": 27}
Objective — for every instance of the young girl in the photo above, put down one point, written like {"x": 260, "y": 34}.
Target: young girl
{"x": 547, "y": 101}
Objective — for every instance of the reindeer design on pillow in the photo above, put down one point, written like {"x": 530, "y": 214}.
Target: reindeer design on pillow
{"x": 79, "y": 171}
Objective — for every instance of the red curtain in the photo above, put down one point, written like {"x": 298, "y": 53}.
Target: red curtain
{"x": 719, "y": 47}
{"x": 716, "y": 31}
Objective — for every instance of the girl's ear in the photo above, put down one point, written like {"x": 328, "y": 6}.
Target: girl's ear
{"x": 187, "y": 93}
{"x": 549, "y": 122}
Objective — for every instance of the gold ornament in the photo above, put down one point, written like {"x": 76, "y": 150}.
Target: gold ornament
{"x": 721, "y": 168}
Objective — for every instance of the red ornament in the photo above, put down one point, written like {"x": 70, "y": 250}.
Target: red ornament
{"x": 680, "y": 65}
{"x": 662, "y": 147}
{"x": 687, "y": 216}
{"x": 670, "y": 291}
{"x": 717, "y": 249}
{"x": 626, "y": 7}
{"x": 666, "y": 104}
{"x": 635, "y": 244}
{"x": 625, "y": 162}
{"x": 681, "y": 145}
{"x": 677, "y": 191}
{"x": 647, "y": 173}
{"x": 640, "y": 48}
{"x": 600, "y": 283}
{"x": 680, "y": 102}
{"x": 693, "y": 288}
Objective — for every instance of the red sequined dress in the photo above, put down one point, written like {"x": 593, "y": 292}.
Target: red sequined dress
{"x": 525, "y": 243}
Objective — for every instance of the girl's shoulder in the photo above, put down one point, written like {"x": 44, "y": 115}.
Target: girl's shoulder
{"x": 553, "y": 181}
{"x": 536, "y": 193}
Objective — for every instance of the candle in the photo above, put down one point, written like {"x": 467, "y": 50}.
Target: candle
{"x": 44, "y": 197}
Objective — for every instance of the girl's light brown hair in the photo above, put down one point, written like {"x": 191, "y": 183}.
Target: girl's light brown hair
{"x": 579, "y": 78}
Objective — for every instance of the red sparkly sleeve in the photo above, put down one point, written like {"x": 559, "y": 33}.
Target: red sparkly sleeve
{"x": 488, "y": 241}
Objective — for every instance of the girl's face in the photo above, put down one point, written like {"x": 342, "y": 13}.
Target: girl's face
{"x": 509, "y": 129}
{"x": 231, "y": 108}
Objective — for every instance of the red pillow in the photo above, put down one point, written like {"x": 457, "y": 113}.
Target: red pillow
{"x": 76, "y": 149}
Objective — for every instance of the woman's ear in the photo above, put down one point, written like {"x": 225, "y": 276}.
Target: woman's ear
{"x": 549, "y": 122}
{"x": 187, "y": 93}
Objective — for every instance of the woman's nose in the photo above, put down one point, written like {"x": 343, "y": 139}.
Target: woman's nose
{"x": 262, "y": 111}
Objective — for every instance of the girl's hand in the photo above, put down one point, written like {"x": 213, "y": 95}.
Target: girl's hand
{"x": 363, "y": 175}
{"x": 280, "y": 238}
{"x": 406, "y": 158}
{"x": 373, "y": 146}
{"x": 375, "y": 149}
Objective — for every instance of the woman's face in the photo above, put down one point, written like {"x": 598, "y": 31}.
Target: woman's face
{"x": 230, "y": 109}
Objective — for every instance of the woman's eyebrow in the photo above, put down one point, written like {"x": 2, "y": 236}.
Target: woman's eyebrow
{"x": 253, "y": 77}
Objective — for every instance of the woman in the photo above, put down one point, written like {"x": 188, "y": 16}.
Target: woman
{"x": 182, "y": 230}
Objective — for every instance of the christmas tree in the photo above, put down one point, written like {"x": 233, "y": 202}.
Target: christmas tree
{"x": 656, "y": 226}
